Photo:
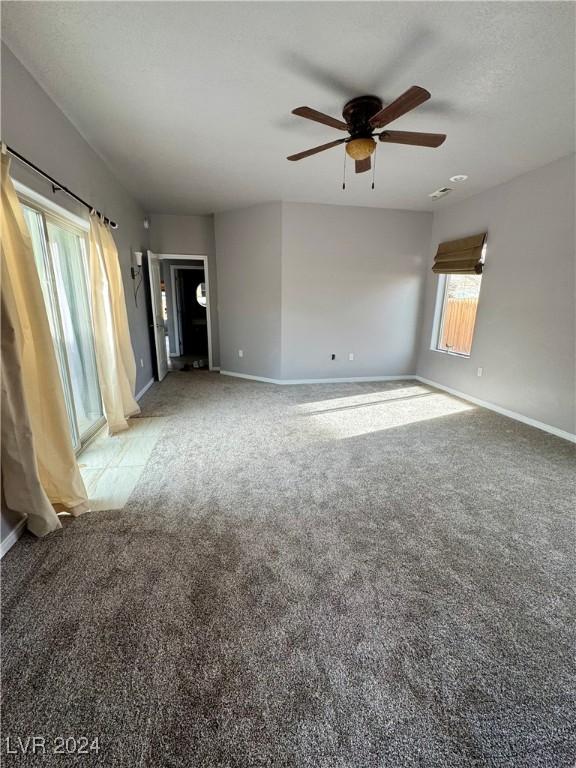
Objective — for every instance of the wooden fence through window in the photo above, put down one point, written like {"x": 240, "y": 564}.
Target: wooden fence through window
{"x": 458, "y": 325}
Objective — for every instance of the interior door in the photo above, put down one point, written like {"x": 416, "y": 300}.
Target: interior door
{"x": 157, "y": 314}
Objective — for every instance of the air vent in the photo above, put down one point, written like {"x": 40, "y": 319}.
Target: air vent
{"x": 440, "y": 192}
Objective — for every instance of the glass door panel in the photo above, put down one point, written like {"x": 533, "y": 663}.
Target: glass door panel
{"x": 61, "y": 260}
{"x": 41, "y": 256}
{"x": 69, "y": 262}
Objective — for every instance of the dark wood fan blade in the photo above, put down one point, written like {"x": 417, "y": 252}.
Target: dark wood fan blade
{"x": 363, "y": 165}
{"x": 319, "y": 117}
{"x": 410, "y": 99}
{"x": 315, "y": 150}
{"x": 414, "y": 138}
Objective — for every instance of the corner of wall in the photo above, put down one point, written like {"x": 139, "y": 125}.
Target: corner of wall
{"x": 421, "y": 336}
{"x": 282, "y": 323}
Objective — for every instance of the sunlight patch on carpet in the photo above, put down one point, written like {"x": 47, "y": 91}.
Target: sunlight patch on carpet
{"x": 352, "y": 417}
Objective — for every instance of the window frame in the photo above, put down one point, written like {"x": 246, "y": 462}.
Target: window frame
{"x": 43, "y": 205}
{"x": 439, "y": 315}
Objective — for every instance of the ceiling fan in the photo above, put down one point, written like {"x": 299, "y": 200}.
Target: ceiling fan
{"x": 362, "y": 116}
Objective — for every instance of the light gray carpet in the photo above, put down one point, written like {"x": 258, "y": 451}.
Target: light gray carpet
{"x": 327, "y": 576}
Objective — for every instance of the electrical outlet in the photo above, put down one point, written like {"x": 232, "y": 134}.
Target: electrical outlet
{"x": 351, "y": 356}
{"x": 240, "y": 353}
{"x": 141, "y": 363}
{"x": 480, "y": 371}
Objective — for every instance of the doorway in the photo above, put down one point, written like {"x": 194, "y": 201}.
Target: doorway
{"x": 190, "y": 342}
{"x": 191, "y": 318}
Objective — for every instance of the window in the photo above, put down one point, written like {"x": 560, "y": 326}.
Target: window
{"x": 60, "y": 252}
{"x": 459, "y": 297}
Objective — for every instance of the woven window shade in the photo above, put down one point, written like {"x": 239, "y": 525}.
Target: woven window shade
{"x": 462, "y": 257}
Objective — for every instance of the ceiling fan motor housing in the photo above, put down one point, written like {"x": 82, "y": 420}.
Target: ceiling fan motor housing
{"x": 357, "y": 113}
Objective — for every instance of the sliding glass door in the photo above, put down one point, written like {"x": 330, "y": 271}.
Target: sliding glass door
{"x": 61, "y": 258}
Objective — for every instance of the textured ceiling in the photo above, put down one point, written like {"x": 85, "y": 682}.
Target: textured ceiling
{"x": 190, "y": 103}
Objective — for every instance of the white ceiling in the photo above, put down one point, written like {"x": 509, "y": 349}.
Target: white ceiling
{"x": 189, "y": 102}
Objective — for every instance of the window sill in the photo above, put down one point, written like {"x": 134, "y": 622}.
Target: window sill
{"x": 447, "y": 352}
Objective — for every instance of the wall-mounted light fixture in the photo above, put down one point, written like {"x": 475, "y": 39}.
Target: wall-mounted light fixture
{"x": 136, "y": 273}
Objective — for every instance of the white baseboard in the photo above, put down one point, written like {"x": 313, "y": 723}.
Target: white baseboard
{"x": 503, "y": 411}
{"x": 144, "y": 389}
{"x": 12, "y": 537}
{"x": 344, "y": 380}
{"x": 249, "y": 376}
{"x": 410, "y": 376}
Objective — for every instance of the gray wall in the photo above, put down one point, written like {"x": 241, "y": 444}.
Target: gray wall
{"x": 190, "y": 236}
{"x": 187, "y": 235}
{"x": 248, "y": 248}
{"x": 34, "y": 126}
{"x": 351, "y": 283}
{"x": 525, "y": 329}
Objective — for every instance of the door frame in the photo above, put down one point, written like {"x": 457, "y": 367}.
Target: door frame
{"x": 173, "y": 268}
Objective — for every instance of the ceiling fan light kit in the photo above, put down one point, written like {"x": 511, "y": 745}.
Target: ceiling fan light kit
{"x": 360, "y": 149}
{"x": 362, "y": 116}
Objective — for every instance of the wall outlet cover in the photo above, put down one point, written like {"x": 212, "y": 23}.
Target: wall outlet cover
{"x": 480, "y": 371}
{"x": 351, "y": 356}
{"x": 240, "y": 353}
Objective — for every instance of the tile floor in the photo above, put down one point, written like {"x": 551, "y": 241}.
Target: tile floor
{"x": 111, "y": 466}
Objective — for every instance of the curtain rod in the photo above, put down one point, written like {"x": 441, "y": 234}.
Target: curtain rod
{"x": 57, "y": 187}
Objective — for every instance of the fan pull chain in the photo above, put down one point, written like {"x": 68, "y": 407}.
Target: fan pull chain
{"x": 344, "y": 175}
{"x": 374, "y": 167}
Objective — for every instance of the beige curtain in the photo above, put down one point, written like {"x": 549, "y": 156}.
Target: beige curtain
{"x": 38, "y": 461}
{"x": 463, "y": 256}
{"x": 114, "y": 355}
